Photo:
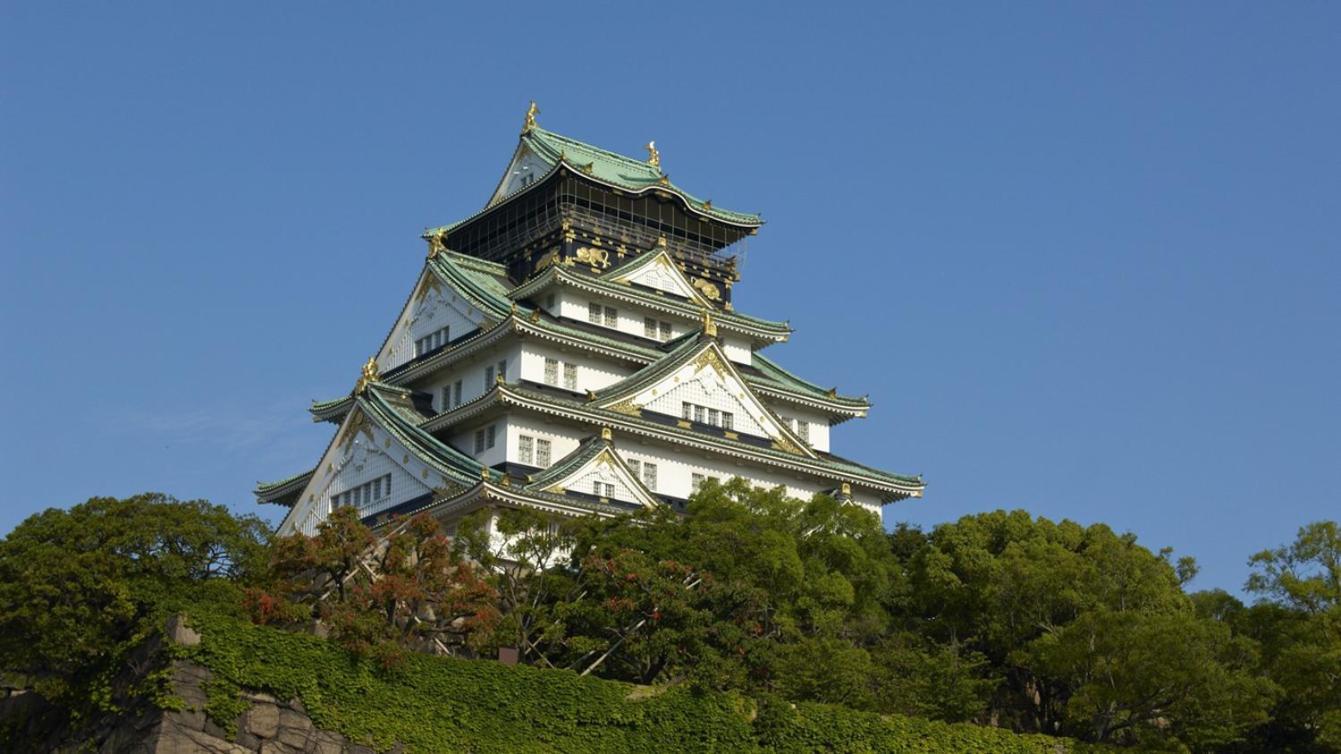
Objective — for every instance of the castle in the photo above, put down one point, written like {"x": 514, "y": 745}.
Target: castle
{"x": 573, "y": 348}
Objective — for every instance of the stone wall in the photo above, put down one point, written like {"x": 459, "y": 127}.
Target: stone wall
{"x": 268, "y": 726}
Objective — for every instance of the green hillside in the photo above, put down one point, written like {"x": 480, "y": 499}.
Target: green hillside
{"x": 434, "y": 704}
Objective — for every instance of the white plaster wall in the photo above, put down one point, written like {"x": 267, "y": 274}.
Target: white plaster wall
{"x": 819, "y": 423}
{"x": 471, "y": 373}
{"x": 593, "y": 373}
{"x": 737, "y": 349}
{"x": 563, "y": 438}
{"x": 463, "y": 439}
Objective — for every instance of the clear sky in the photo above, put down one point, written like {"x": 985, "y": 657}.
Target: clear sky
{"x": 1083, "y": 256}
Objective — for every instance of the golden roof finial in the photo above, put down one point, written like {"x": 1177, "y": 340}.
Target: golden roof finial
{"x": 531, "y": 112}
{"x": 436, "y": 245}
{"x": 653, "y": 156}
{"x": 370, "y": 375}
{"x": 606, "y": 434}
{"x": 709, "y": 327}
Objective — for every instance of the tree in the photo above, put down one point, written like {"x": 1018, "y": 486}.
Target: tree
{"x": 78, "y": 587}
{"x": 1298, "y": 622}
{"x": 1140, "y": 677}
{"x": 377, "y": 595}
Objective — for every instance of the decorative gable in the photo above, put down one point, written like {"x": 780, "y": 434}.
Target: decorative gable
{"x": 435, "y": 314}
{"x": 701, "y": 386}
{"x": 658, "y": 271}
{"x": 364, "y": 466}
{"x": 525, "y": 169}
{"x": 595, "y": 469}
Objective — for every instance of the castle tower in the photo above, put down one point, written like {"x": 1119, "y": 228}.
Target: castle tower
{"x": 572, "y": 348}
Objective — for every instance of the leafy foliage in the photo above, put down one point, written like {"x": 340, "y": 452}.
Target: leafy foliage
{"x": 78, "y": 588}
{"x": 376, "y": 596}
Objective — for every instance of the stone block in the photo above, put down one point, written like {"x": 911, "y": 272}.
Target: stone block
{"x": 261, "y": 720}
{"x": 177, "y": 631}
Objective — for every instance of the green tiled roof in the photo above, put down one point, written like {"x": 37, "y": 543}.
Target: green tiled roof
{"x": 624, "y": 172}
{"x": 789, "y": 381}
{"x": 586, "y": 450}
{"x": 842, "y": 467}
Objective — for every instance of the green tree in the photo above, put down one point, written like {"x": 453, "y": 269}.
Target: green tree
{"x": 1141, "y": 677}
{"x": 79, "y": 586}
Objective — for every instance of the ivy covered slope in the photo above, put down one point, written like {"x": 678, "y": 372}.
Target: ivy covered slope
{"x": 436, "y": 704}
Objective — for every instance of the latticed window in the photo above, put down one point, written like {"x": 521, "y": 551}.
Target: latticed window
{"x": 503, "y": 369}
{"x": 594, "y": 313}
{"x": 551, "y": 371}
{"x": 542, "y": 447}
{"x": 803, "y": 430}
{"x": 570, "y": 376}
{"x": 686, "y": 411}
{"x": 526, "y": 449}
{"x": 728, "y": 420}
{"x": 696, "y": 481}
{"x": 488, "y": 377}
{"x": 650, "y": 475}
{"x": 699, "y": 414}
{"x": 603, "y": 489}
{"x": 665, "y": 330}
{"x": 649, "y": 327}
{"x": 456, "y": 393}
{"x": 634, "y": 466}
{"x": 611, "y": 317}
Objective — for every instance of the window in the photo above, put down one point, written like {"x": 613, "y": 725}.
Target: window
{"x": 594, "y": 313}
{"x": 656, "y": 330}
{"x": 650, "y": 476}
{"x": 488, "y": 377}
{"x": 446, "y": 397}
{"x": 611, "y": 317}
{"x": 634, "y": 465}
{"x": 503, "y": 370}
{"x": 570, "y": 376}
{"x": 431, "y": 341}
{"x": 696, "y": 481}
{"x": 603, "y": 489}
{"x": 364, "y": 495}
{"x": 551, "y": 371}
{"x": 489, "y": 435}
{"x": 479, "y": 441}
{"x": 705, "y": 415}
{"x": 456, "y": 394}
{"x": 803, "y": 430}
{"x": 542, "y": 453}
{"x": 526, "y": 449}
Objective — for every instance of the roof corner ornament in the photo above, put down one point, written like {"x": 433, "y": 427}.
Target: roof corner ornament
{"x": 484, "y": 473}
{"x": 370, "y": 375}
{"x": 709, "y": 327}
{"x": 653, "y": 155}
{"x": 531, "y": 112}
{"x": 833, "y": 392}
{"x": 436, "y": 244}
{"x": 606, "y": 434}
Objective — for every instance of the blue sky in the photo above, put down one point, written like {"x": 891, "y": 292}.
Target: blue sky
{"x": 1083, "y": 256}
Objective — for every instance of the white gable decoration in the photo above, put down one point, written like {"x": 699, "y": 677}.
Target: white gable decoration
{"x": 605, "y": 467}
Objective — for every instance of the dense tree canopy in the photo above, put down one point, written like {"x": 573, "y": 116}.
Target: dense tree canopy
{"x": 999, "y": 618}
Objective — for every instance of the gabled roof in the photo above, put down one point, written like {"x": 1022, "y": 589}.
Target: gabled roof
{"x": 762, "y": 330}
{"x": 657, "y": 262}
{"x": 595, "y": 452}
{"x": 687, "y": 361}
{"x": 619, "y": 171}
{"x": 283, "y": 491}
